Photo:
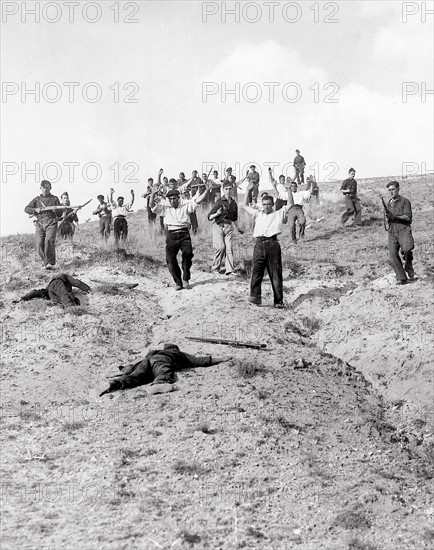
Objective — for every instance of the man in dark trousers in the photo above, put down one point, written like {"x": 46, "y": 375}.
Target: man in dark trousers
{"x": 177, "y": 220}
{"x": 352, "y": 203}
{"x": 103, "y": 211}
{"x": 400, "y": 238}
{"x": 224, "y": 214}
{"x": 253, "y": 184}
{"x": 119, "y": 212}
{"x": 299, "y": 164}
{"x": 159, "y": 368}
{"x": 267, "y": 254}
{"x": 45, "y": 223}
{"x": 59, "y": 290}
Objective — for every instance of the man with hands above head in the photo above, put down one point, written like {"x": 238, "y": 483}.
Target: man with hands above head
{"x": 177, "y": 220}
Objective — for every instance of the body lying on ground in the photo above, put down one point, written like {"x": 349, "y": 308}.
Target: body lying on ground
{"x": 59, "y": 290}
{"x": 159, "y": 368}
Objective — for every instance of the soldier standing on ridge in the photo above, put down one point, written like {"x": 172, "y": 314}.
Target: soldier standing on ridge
{"x": 352, "y": 203}
{"x": 45, "y": 223}
{"x": 399, "y": 216}
{"x": 299, "y": 165}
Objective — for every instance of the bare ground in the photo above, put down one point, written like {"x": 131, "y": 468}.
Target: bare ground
{"x": 324, "y": 441}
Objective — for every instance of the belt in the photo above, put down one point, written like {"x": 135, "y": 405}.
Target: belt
{"x": 119, "y": 216}
{"x": 273, "y": 238}
{"x": 178, "y": 230}
{"x": 224, "y": 223}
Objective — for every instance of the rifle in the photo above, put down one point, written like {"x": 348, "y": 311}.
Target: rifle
{"x": 75, "y": 209}
{"x": 234, "y": 343}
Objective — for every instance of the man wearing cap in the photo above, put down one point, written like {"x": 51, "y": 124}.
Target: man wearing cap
{"x": 352, "y": 203}
{"x": 120, "y": 211}
{"x": 45, "y": 223}
{"x": 299, "y": 165}
{"x": 184, "y": 186}
{"x": 400, "y": 239}
{"x": 177, "y": 221}
{"x": 105, "y": 217}
{"x": 224, "y": 214}
{"x": 267, "y": 254}
{"x": 253, "y": 186}
{"x": 158, "y": 369}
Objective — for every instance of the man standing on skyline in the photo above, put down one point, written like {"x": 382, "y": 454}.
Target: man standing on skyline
{"x": 299, "y": 165}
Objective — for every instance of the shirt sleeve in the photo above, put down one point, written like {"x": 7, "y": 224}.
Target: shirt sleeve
{"x": 407, "y": 209}
{"x": 191, "y": 205}
{"x": 30, "y": 208}
{"x": 252, "y": 211}
{"x": 344, "y": 185}
{"x": 158, "y": 209}
{"x": 214, "y": 209}
{"x": 198, "y": 361}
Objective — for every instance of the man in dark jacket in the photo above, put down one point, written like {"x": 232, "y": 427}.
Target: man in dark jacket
{"x": 44, "y": 208}
{"x": 352, "y": 203}
{"x": 400, "y": 238}
{"x": 59, "y": 290}
{"x": 159, "y": 368}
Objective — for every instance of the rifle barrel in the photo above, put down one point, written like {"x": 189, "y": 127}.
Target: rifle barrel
{"x": 234, "y": 343}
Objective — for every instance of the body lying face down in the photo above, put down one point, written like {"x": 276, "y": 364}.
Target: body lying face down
{"x": 159, "y": 368}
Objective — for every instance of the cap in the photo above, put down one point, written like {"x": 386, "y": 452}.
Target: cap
{"x": 172, "y": 193}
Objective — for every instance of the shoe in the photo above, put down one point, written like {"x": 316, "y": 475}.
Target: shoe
{"x": 412, "y": 279}
{"x": 186, "y": 284}
{"x": 230, "y": 274}
{"x": 255, "y": 300}
{"x": 113, "y": 386}
{"x": 49, "y": 267}
{"x": 160, "y": 388}
{"x": 402, "y": 282}
{"x": 179, "y": 287}
{"x": 279, "y": 305}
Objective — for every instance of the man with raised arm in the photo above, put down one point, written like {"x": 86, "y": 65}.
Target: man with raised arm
{"x": 177, "y": 220}
{"x": 280, "y": 189}
{"x": 267, "y": 254}
{"x": 296, "y": 212}
{"x": 120, "y": 211}
{"x": 45, "y": 223}
{"x": 103, "y": 211}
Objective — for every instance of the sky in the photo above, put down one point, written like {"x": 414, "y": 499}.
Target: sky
{"x": 190, "y": 85}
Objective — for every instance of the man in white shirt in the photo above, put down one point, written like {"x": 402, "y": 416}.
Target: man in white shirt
{"x": 296, "y": 211}
{"x": 267, "y": 254}
{"x": 280, "y": 190}
{"x": 119, "y": 213}
{"x": 177, "y": 220}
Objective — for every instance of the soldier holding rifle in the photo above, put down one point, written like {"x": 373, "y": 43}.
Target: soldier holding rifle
{"x": 399, "y": 216}
{"x": 47, "y": 209}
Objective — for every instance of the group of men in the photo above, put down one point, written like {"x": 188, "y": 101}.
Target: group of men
{"x": 175, "y": 201}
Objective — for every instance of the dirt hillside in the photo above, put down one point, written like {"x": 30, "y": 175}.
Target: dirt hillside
{"x": 322, "y": 441}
